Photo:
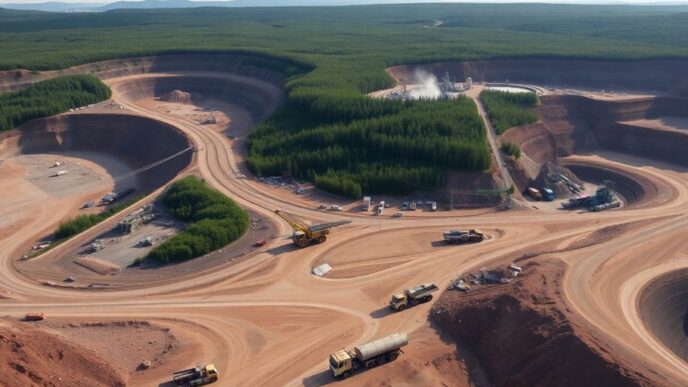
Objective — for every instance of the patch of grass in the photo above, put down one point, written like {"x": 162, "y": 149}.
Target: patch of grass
{"x": 511, "y": 149}
{"x": 214, "y": 221}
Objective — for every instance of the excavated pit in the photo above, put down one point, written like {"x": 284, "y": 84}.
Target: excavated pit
{"x": 257, "y": 98}
{"x": 580, "y": 124}
{"x": 663, "y": 75}
{"x": 664, "y": 307}
{"x": 135, "y": 140}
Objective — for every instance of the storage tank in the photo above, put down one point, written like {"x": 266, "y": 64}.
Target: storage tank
{"x": 378, "y": 347}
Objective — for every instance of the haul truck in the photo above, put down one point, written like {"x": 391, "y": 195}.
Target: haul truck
{"x": 309, "y": 235}
{"x": 343, "y": 363}
{"x": 460, "y": 236}
{"x": 196, "y": 376}
{"x": 411, "y": 297}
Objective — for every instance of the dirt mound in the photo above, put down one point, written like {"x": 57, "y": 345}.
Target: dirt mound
{"x": 664, "y": 307}
{"x": 521, "y": 334}
{"x": 177, "y": 96}
{"x": 29, "y": 356}
{"x": 124, "y": 344}
{"x": 560, "y": 179}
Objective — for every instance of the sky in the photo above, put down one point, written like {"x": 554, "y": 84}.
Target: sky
{"x": 410, "y": 1}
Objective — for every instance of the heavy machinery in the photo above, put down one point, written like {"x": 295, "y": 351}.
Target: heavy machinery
{"x": 343, "y": 363}
{"x": 34, "y": 317}
{"x": 308, "y": 235}
{"x": 459, "y": 236}
{"x": 411, "y": 297}
{"x": 196, "y": 376}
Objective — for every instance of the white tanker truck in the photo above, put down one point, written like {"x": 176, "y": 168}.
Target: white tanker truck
{"x": 345, "y": 362}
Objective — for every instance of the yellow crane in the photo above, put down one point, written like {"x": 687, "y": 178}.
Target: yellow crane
{"x": 308, "y": 235}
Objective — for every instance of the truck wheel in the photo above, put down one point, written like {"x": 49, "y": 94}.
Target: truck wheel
{"x": 322, "y": 239}
{"x": 346, "y": 374}
{"x": 393, "y": 356}
{"x": 401, "y": 307}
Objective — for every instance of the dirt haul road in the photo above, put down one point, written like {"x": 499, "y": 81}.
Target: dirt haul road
{"x": 253, "y": 319}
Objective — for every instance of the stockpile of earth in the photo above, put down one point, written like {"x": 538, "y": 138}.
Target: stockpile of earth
{"x": 522, "y": 335}
{"x": 30, "y": 357}
{"x": 177, "y": 96}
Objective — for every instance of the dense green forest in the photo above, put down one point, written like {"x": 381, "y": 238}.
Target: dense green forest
{"x": 214, "y": 221}
{"x": 392, "y": 153}
{"x": 337, "y": 54}
{"x": 50, "y": 97}
{"x": 507, "y": 110}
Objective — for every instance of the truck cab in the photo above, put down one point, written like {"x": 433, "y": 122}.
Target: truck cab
{"x": 398, "y": 301}
{"x": 340, "y": 363}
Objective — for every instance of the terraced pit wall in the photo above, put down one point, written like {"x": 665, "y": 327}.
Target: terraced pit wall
{"x": 219, "y": 63}
{"x": 664, "y": 307}
{"x": 135, "y": 140}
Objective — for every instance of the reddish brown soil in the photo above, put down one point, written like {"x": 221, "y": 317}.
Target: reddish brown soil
{"x": 31, "y": 357}
{"x": 522, "y": 335}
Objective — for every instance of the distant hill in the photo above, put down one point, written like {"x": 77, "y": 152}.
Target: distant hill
{"x": 55, "y": 6}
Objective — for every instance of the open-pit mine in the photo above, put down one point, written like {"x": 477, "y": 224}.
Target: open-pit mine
{"x": 535, "y": 294}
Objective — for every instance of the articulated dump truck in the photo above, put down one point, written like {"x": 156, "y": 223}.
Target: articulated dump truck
{"x": 345, "y": 362}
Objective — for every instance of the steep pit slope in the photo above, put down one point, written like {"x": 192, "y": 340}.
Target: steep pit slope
{"x": 664, "y": 307}
{"x": 29, "y": 356}
{"x": 576, "y": 124}
{"x": 522, "y": 335}
{"x": 137, "y": 141}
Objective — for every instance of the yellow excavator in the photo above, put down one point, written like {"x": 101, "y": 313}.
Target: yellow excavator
{"x": 308, "y": 235}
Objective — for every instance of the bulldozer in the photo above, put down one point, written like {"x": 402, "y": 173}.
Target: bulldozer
{"x": 304, "y": 235}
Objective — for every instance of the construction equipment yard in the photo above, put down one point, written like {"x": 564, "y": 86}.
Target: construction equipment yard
{"x": 251, "y": 308}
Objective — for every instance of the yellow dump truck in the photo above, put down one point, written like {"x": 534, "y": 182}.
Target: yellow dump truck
{"x": 196, "y": 376}
{"x": 305, "y": 235}
{"x": 410, "y": 297}
{"x": 345, "y": 362}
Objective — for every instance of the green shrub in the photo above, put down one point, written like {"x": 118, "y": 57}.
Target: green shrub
{"x": 215, "y": 221}
{"x": 84, "y": 222}
{"x": 511, "y": 149}
{"x": 507, "y": 110}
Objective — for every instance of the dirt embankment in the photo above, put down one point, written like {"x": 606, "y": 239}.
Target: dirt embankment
{"x": 522, "y": 335}
{"x": 665, "y": 75}
{"x": 32, "y": 357}
{"x": 664, "y": 307}
{"x": 138, "y": 141}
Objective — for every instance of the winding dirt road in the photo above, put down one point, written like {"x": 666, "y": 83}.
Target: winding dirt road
{"x": 268, "y": 321}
